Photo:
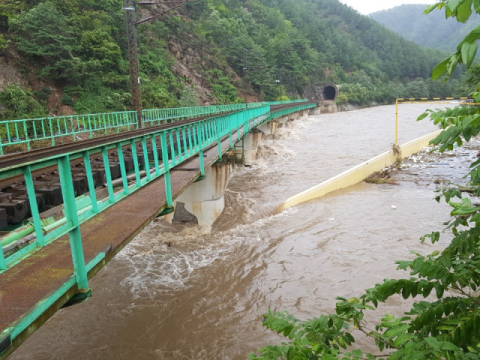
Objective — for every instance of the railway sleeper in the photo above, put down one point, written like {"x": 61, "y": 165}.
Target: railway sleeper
{"x": 16, "y": 210}
{"x": 3, "y": 219}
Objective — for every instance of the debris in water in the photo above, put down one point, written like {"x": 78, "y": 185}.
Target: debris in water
{"x": 381, "y": 177}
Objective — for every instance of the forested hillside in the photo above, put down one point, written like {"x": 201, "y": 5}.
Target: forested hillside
{"x": 65, "y": 56}
{"x": 431, "y": 30}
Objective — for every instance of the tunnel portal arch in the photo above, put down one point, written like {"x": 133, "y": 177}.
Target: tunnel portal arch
{"x": 325, "y": 91}
{"x": 329, "y": 92}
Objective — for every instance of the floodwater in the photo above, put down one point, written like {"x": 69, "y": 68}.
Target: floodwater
{"x": 198, "y": 293}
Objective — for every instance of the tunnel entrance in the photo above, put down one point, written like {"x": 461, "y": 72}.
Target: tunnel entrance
{"x": 325, "y": 91}
{"x": 329, "y": 93}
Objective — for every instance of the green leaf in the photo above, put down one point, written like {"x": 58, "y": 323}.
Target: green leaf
{"x": 440, "y": 69}
{"x": 397, "y": 355}
{"x": 476, "y": 5}
{"x": 423, "y": 116}
{"x": 396, "y": 331}
{"x": 429, "y": 9}
{"x": 469, "y": 50}
{"x": 464, "y": 11}
{"x": 401, "y": 340}
{"x": 433, "y": 342}
{"x": 446, "y": 345}
{"x": 357, "y": 353}
{"x": 447, "y": 328}
{"x": 453, "y": 5}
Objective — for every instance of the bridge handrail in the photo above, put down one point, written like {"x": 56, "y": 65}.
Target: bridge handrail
{"x": 159, "y": 116}
{"x": 169, "y": 147}
{"x": 26, "y": 131}
{"x": 282, "y": 112}
{"x": 271, "y": 103}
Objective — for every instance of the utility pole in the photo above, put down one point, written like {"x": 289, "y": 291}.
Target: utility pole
{"x": 245, "y": 68}
{"x": 133, "y": 59}
{"x": 130, "y": 13}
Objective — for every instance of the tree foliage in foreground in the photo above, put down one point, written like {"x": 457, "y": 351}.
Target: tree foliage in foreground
{"x": 447, "y": 327}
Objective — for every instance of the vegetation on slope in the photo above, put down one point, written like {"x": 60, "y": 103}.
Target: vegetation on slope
{"x": 78, "y": 48}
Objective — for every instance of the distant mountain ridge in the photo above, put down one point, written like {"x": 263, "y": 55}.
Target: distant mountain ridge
{"x": 431, "y": 30}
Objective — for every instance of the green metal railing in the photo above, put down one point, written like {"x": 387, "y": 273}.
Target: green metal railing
{"x": 51, "y": 129}
{"x": 272, "y": 103}
{"x": 290, "y": 110}
{"x": 25, "y": 131}
{"x": 176, "y": 145}
{"x": 159, "y": 116}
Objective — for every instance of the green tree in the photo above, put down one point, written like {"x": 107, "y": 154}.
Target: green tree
{"x": 3, "y": 42}
{"x": 417, "y": 89}
{"x": 188, "y": 98}
{"x": 19, "y": 103}
{"x": 44, "y": 34}
{"x": 445, "y": 328}
{"x": 98, "y": 45}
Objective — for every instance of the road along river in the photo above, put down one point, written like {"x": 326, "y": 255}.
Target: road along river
{"x": 185, "y": 292}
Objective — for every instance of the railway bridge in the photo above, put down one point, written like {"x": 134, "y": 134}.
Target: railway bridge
{"x": 68, "y": 207}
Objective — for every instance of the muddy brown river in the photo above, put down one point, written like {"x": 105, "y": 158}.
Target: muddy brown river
{"x": 203, "y": 297}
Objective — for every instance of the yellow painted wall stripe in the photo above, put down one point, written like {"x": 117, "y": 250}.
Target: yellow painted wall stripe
{"x": 358, "y": 173}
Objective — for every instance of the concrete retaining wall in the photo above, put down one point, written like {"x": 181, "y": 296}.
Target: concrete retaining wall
{"x": 358, "y": 173}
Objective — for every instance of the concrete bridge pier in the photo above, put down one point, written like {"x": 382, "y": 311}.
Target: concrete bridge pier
{"x": 269, "y": 129}
{"x": 250, "y": 145}
{"x": 282, "y": 121}
{"x": 203, "y": 201}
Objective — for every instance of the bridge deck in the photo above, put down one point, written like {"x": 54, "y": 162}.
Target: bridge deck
{"x": 39, "y": 276}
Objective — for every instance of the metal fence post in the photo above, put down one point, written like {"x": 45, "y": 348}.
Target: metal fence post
{"x": 201, "y": 146}
{"x": 166, "y": 167}
{"x": 32, "y": 198}
{"x": 219, "y": 137}
{"x": 90, "y": 181}
{"x": 71, "y": 215}
{"x": 3, "y": 263}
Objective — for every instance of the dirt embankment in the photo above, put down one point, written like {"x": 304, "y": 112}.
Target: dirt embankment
{"x": 15, "y": 70}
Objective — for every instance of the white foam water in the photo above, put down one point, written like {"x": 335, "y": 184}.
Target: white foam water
{"x": 161, "y": 259}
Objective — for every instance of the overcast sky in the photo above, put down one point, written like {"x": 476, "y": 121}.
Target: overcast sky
{"x": 369, "y": 6}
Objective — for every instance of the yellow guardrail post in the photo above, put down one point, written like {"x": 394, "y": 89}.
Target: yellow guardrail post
{"x": 396, "y": 122}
